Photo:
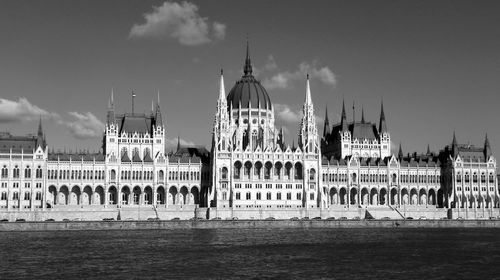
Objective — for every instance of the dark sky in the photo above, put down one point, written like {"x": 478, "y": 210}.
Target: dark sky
{"x": 435, "y": 64}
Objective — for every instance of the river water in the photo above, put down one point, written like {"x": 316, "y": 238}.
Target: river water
{"x": 368, "y": 253}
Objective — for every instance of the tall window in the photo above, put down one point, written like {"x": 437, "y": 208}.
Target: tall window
{"x": 254, "y": 140}
{"x": 27, "y": 172}
{"x": 16, "y": 172}
{"x": 5, "y": 172}
{"x": 249, "y": 196}
{"x": 312, "y": 174}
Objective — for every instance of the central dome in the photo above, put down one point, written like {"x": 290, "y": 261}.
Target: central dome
{"x": 248, "y": 91}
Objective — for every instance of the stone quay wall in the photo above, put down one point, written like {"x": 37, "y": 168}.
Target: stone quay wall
{"x": 235, "y": 224}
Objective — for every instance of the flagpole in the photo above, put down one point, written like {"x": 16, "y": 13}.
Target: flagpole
{"x": 133, "y": 96}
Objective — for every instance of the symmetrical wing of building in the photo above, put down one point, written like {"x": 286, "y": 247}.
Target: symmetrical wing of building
{"x": 250, "y": 172}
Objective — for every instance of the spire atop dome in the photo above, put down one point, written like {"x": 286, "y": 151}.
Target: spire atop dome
{"x": 178, "y": 143}
{"x": 248, "y": 64}
{"x": 428, "y": 149}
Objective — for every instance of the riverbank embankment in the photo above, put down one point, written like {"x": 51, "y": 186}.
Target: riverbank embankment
{"x": 216, "y": 224}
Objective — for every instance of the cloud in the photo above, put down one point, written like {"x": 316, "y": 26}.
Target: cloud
{"x": 179, "y": 21}
{"x": 271, "y": 63}
{"x": 287, "y": 79}
{"x": 287, "y": 114}
{"x": 81, "y": 126}
{"x": 84, "y": 126}
{"x": 219, "y": 30}
{"x": 22, "y": 111}
{"x": 171, "y": 143}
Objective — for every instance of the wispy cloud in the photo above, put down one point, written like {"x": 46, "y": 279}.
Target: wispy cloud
{"x": 288, "y": 79}
{"x": 83, "y": 126}
{"x": 22, "y": 111}
{"x": 179, "y": 21}
{"x": 287, "y": 114}
{"x": 171, "y": 143}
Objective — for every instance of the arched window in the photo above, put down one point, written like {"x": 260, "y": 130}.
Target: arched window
{"x": 238, "y": 196}
{"x": 474, "y": 177}
{"x": 491, "y": 178}
{"x": 27, "y": 172}
{"x": 288, "y": 169}
{"x": 224, "y": 173}
{"x": 312, "y": 174}
{"x": 268, "y": 196}
{"x": 160, "y": 175}
{"x": 5, "y": 172}
{"x": 483, "y": 178}
{"x": 248, "y": 196}
{"x": 248, "y": 167}
{"x": 289, "y": 196}
{"x": 394, "y": 178}
{"x": 267, "y": 170}
{"x": 258, "y": 196}
{"x": 16, "y": 172}
{"x": 237, "y": 170}
{"x": 298, "y": 171}
{"x": 257, "y": 169}
{"x": 459, "y": 177}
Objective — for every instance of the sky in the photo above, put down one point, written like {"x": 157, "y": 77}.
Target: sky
{"x": 435, "y": 65}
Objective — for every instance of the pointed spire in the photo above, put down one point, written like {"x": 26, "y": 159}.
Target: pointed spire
{"x": 454, "y": 145}
{"x": 40, "y": 130}
{"x": 326, "y": 128}
{"x": 158, "y": 118}
{"x": 178, "y": 143}
{"x": 353, "y": 113}
{"x": 362, "y": 114}
{"x": 428, "y": 149}
{"x": 400, "y": 152}
{"x": 247, "y": 70}
{"x": 343, "y": 120}
{"x": 382, "y": 128}
{"x": 222, "y": 90}
{"x": 112, "y": 98}
{"x": 308, "y": 91}
{"x": 487, "y": 148}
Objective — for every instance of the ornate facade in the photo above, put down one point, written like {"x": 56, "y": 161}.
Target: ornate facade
{"x": 250, "y": 168}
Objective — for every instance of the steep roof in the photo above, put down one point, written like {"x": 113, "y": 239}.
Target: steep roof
{"x": 139, "y": 123}
{"x": 17, "y": 143}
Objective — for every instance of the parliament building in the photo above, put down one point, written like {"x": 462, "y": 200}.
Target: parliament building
{"x": 250, "y": 172}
